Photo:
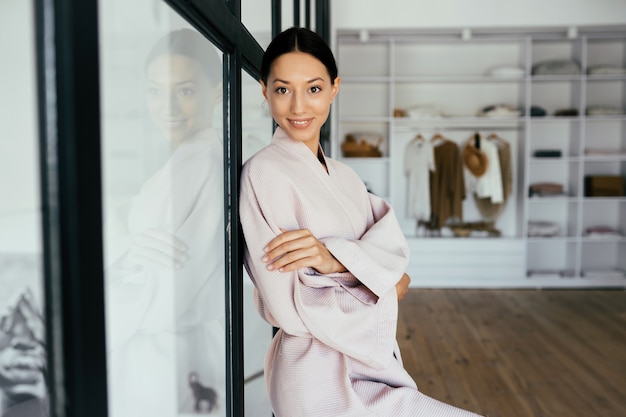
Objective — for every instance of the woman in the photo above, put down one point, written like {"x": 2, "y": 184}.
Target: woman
{"x": 327, "y": 258}
{"x": 165, "y": 309}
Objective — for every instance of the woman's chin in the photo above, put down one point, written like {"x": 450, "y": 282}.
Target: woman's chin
{"x": 174, "y": 135}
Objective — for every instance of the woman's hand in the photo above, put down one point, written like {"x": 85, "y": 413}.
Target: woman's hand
{"x": 296, "y": 249}
{"x": 402, "y": 287}
{"x": 156, "y": 248}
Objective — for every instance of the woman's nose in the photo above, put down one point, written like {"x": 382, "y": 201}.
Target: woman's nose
{"x": 297, "y": 103}
{"x": 170, "y": 104}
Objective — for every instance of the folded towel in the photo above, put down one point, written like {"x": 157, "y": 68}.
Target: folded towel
{"x": 556, "y": 67}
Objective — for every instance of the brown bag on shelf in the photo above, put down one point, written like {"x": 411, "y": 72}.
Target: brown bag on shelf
{"x": 360, "y": 145}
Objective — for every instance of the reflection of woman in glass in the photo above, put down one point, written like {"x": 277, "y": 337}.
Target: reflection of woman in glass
{"x": 165, "y": 248}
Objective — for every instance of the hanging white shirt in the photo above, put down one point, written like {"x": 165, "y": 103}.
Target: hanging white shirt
{"x": 419, "y": 160}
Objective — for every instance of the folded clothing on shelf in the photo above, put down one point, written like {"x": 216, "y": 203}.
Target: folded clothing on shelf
{"x": 606, "y": 69}
{"x": 425, "y": 111}
{"x": 603, "y": 232}
{"x": 604, "y": 152}
{"x": 604, "y": 273}
{"x": 547, "y": 153}
{"x": 543, "y": 229}
{"x": 500, "y": 110}
{"x": 551, "y": 273}
{"x": 537, "y": 111}
{"x": 506, "y": 72}
{"x": 543, "y": 189}
{"x": 604, "y": 110}
{"x": 556, "y": 67}
{"x": 604, "y": 186}
{"x": 569, "y": 112}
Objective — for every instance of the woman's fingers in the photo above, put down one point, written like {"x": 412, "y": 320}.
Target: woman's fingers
{"x": 157, "y": 248}
{"x": 296, "y": 249}
{"x": 289, "y": 252}
{"x": 296, "y": 259}
{"x": 285, "y": 238}
{"x": 402, "y": 287}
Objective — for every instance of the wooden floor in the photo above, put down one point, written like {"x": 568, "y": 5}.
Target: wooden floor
{"x": 518, "y": 353}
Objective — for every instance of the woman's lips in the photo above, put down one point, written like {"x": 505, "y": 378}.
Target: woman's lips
{"x": 173, "y": 124}
{"x": 300, "y": 123}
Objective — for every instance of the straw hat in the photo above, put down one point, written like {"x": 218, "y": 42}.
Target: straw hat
{"x": 475, "y": 160}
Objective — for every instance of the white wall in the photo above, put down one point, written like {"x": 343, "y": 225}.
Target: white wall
{"x": 19, "y": 175}
{"x": 376, "y": 14}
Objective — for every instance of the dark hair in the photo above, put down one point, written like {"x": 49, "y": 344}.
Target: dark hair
{"x": 300, "y": 40}
{"x": 191, "y": 44}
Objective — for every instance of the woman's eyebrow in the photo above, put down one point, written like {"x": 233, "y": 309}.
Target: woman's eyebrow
{"x": 316, "y": 79}
{"x": 176, "y": 83}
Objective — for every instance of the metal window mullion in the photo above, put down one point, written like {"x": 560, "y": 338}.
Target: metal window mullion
{"x": 234, "y": 253}
{"x": 276, "y": 17}
{"x": 296, "y": 13}
{"x": 307, "y": 14}
{"x": 68, "y": 88}
{"x": 322, "y": 28}
{"x": 322, "y": 19}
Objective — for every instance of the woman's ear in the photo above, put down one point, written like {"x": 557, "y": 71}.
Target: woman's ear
{"x": 219, "y": 94}
{"x": 263, "y": 89}
{"x": 335, "y": 88}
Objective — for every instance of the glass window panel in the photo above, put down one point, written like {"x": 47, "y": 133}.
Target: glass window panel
{"x": 257, "y": 132}
{"x": 163, "y": 208}
{"x": 22, "y": 339}
{"x": 256, "y": 15}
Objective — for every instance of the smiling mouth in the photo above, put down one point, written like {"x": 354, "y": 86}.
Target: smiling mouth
{"x": 173, "y": 124}
{"x": 300, "y": 123}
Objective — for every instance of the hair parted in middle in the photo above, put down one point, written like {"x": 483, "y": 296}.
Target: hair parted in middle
{"x": 297, "y": 39}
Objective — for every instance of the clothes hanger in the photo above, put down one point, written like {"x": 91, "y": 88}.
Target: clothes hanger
{"x": 418, "y": 138}
{"x": 494, "y": 136}
{"x": 438, "y": 136}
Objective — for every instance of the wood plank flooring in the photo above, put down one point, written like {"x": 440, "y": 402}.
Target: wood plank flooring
{"x": 518, "y": 353}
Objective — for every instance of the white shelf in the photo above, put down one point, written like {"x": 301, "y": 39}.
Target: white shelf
{"x": 469, "y": 122}
{"x": 412, "y": 69}
{"x": 457, "y": 79}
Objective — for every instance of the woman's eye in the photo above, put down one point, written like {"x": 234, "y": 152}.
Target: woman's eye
{"x": 153, "y": 91}
{"x": 281, "y": 90}
{"x": 316, "y": 89}
{"x": 185, "y": 92}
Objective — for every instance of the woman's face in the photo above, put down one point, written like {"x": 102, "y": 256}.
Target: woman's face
{"x": 299, "y": 93}
{"x": 180, "y": 97}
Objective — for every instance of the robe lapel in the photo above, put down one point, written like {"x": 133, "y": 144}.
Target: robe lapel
{"x": 330, "y": 180}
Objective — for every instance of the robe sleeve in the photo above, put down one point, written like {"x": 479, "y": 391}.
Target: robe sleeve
{"x": 151, "y": 299}
{"x": 306, "y": 304}
{"x": 380, "y": 257}
{"x": 274, "y": 291}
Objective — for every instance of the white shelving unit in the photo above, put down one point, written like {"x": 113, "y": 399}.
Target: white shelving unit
{"x": 449, "y": 71}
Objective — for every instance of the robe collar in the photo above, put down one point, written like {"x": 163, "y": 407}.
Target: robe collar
{"x": 300, "y": 150}
{"x": 199, "y": 140}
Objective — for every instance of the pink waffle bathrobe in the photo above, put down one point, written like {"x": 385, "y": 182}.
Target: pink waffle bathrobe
{"x": 336, "y": 352}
